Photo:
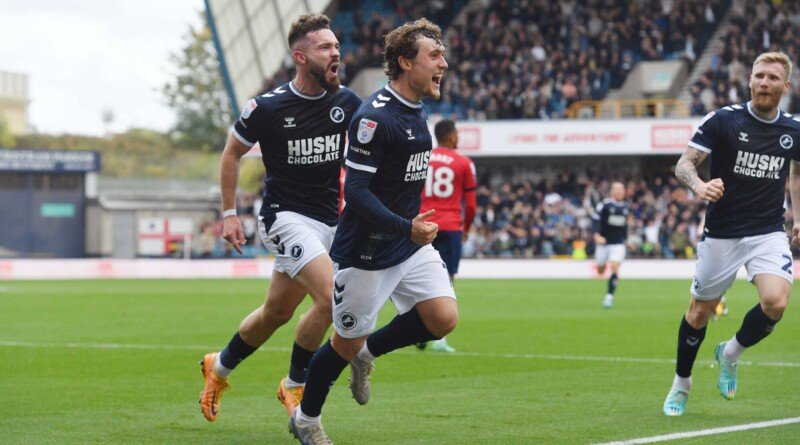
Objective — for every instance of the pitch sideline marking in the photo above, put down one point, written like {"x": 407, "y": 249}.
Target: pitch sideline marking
{"x": 707, "y": 432}
{"x": 580, "y": 358}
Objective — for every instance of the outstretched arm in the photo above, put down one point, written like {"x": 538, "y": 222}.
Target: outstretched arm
{"x": 228, "y": 180}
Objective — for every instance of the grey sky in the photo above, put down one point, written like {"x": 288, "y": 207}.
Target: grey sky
{"x": 83, "y": 56}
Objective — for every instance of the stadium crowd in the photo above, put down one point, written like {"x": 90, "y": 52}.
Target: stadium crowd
{"x": 763, "y": 25}
{"x": 534, "y": 217}
{"x": 532, "y": 60}
{"x": 527, "y": 216}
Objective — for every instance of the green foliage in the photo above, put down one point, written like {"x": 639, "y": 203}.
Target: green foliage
{"x": 197, "y": 94}
{"x": 6, "y": 138}
{"x": 135, "y": 153}
{"x": 537, "y": 362}
{"x": 251, "y": 175}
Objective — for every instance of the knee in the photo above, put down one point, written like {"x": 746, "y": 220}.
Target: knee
{"x": 277, "y": 315}
{"x": 347, "y": 348}
{"x": 443, "y": 323}
{"x": 774, "y": 308}
{"x": 699, "y": 313}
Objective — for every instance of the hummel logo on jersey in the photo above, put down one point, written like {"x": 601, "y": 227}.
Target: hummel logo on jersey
{"x": 417, "y": 168}
{"x": 758, "y": 166}
{"x": 410, "y": 136}
{"x": 289, "y": 122}
{"x": 743, "y": 136}
{"x": 337, "y": 290}
{"x": 381, "y": 97}
{"x": 314, "y": 150}
{"x": 274, "y": 92}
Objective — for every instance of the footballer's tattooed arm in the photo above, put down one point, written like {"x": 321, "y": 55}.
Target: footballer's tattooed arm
{"x": 686, "y": 168}
{"x": 686, "y": 171}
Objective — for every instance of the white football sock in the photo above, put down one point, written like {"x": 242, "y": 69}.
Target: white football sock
{"x": 684, "y": 383}
{"x": 304, "y": 420}
{"x": 733, "y": 349}
{"x": 221, "y": 370}
{"x": 364, "y": 353}
{"x": 292, "y": 384}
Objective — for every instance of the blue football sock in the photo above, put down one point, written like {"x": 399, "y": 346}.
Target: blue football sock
{"x": 689, "y": 341}
{"x": 612, "y": 284}
{"x": 298, "y": 368}
{"x": 323, "y": 370}
{"x": 236, "y": 351}
{"x": 404, "y": 330}
{"x": 755, "y": 326}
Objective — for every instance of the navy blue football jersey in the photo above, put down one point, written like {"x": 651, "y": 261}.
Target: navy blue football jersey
{"x": 612, "y": 220}
{"x": 389, "y": 139}
{"x": 302, "y": 141}
{"x": 752, "y": 157}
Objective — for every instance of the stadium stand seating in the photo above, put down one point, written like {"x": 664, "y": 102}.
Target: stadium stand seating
{"x": 763, "y": 25}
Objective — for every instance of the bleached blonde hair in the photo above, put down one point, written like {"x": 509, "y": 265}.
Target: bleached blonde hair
{"x": 776, "y": 57}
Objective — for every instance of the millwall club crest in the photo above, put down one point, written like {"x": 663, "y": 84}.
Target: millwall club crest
{"x": 366, "y": 129}
{"x": 337, "y": 114}
{"x": 786, "y": 141}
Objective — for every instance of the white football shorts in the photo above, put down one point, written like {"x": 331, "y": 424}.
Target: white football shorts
{"x": 606, "y": 253}
{"x": 719, "y": 259}
{"x": 360, "y": 294}
{"x": 295, "y": 240}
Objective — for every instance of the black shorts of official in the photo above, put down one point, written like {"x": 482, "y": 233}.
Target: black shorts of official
{"x": 448, "y": 244}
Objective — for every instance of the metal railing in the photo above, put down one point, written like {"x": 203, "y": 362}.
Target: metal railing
{"x": 627, "y": 108}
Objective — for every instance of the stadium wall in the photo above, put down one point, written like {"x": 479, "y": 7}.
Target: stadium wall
{"x": 45, "y": 269}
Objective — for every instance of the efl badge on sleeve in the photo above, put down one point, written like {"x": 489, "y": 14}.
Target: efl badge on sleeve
{"x": 366, "y": 129}
{"x": 251, "y": 105}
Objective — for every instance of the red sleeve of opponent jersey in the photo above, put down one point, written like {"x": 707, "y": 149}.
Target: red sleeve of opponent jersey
{"x": 470, "y": 202}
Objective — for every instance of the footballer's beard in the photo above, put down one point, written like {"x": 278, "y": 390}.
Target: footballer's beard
{"x": 765, "y": 102}
{"x": 319, "y": 74}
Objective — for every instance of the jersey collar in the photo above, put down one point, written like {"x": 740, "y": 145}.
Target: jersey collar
{"x": 402, "y": 99}
{"x": 752, "y": 113}
{"x": 306, "y": 96}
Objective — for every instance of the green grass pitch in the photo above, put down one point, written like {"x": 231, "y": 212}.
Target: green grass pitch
{"x": 538, "y": 362}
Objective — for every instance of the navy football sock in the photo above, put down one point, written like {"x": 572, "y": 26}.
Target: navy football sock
{"x": 323, "y": 370}
{"x": 404, "y": 330}
{"x": 612, "y": 283}
{"x": 689, "y": 341}
{"x": 298, "y": 368}
{"x": 236, "y": 351}
{"x": 755, "y": 326}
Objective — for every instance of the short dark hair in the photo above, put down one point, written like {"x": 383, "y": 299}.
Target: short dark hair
{"x": 443, "y": 129}
{"x": 305, "y": 24}
{"x": 402, "y": 41}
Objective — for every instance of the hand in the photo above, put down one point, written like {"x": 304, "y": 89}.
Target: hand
{"x": 233, "y": 233}
{"x": 600, "y": 240}
{"x": 423, "y": 232}
{"x": 464, "y": 237}
{"x": 796, "y": 235}
{"x": 710, "y": 191}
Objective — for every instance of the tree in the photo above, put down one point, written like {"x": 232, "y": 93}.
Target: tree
{"x": 197, "y": 94}
{"x": 6, "y": 138}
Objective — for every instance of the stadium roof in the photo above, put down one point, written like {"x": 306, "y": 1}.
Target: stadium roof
{"x": 250, "y": 37}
